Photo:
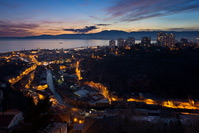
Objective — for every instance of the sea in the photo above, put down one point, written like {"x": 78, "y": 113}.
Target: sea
{"x": 29, "y": 44}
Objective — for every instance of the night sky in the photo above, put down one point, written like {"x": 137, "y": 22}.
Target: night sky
{"x": 36, "y": 17}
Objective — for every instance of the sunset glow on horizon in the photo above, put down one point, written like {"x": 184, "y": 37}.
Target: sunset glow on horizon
{"x": 53, "y": 17}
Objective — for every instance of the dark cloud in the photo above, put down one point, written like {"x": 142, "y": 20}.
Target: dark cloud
{"x": 173, "y": 29}
{"x": 15, "y": 33}
{"x": 184, "y": 29}
{"x": 133, "y": 10}
{"x": 4, "y": 24}
{"x": 83, "y": 30}
{"x": 103, "y": 24}
{"x": 150, "y": 30}
{"x": 15, "y": 29}
{"x": 177, "y": 29}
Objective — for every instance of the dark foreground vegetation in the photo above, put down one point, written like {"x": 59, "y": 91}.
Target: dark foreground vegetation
{"x": 154, "y": 70}
{"x": 118, "y": 124}
{"x": 36, "y": 116}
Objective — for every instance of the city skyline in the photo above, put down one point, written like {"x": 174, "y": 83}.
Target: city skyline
{"x": 29, "y": 18}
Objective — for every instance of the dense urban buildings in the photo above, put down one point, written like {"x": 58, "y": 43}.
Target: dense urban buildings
{"x": 99, "y": 66}
{"x": 84, "y": 85}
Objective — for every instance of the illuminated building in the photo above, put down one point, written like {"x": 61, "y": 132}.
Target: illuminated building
{"x": 112, "y": 44}
{"x": 120, "y": 42}
{"x": 130, "y": 41}
{"x": 75, "y": 120}
{"x": 184, "y": 41}
{"x": 26, "y": 72}
{"x": 146, "y": 41}
{"x": 197, "y": 41}
{"x": 78, "y": 72}
{"x": 165, "y": 39}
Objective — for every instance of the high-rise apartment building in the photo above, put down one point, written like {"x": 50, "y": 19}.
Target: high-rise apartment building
{"x": 120, "y": 42}
{"x": 130, "y": 41}
{"x": 146, "y": 41}
{"x": 165, "y": 39}
{"x": 112, "y": 44}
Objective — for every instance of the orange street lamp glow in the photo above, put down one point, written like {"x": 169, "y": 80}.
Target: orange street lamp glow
{"x": 75, "y": 119}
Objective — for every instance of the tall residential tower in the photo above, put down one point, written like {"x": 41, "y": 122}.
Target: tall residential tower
{"x": 130, "y": 41}
{"x": 165, "y": 39}
{"x": 120, "y": 42}
{"x": 112, "y": 44}
{"x": 146, "y": 41}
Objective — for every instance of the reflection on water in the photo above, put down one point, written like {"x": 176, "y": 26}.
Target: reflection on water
{"x": 28, "y": 44}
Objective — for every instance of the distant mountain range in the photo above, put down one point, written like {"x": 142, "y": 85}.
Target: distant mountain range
{"x": 114, "y": 34}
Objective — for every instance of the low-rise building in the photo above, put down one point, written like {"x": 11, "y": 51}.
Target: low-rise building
{"x": 78, "y": 128}
{"x": 59, "y": 128}
{"x": 81, "y": 93}
{"x": 9, "y": 119}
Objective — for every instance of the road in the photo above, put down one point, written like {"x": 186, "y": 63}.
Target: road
{"x": 49, "y": 79}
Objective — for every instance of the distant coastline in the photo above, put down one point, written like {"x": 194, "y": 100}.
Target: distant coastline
{"x": 113, "y": 34}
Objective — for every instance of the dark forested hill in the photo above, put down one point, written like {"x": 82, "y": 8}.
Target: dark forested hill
{"x": 167, "y": 74}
